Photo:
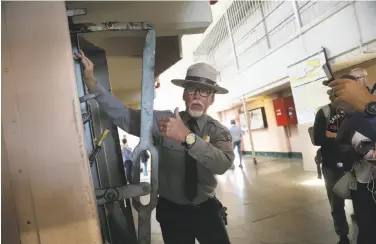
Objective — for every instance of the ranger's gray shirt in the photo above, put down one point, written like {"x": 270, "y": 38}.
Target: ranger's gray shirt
{"x": 212, "y": 150}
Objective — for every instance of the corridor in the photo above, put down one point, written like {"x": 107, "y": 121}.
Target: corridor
{"x": 274, "y": 202}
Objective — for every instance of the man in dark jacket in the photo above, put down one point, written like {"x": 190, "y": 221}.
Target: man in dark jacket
{"x": 327, "y": 122}
{"x": 361, "y": 120}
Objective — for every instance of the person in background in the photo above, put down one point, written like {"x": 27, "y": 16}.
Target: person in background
{"x": 237, "y": 134}
{"x": 327, "y": 121}
{"x": 359, "y": 126}
{"x": 144, "y": 159}
{"x": 127, "y": 159}
{"x": 361, "y": 77}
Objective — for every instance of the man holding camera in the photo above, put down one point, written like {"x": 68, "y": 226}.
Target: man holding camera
{"x": 357, "y": 137}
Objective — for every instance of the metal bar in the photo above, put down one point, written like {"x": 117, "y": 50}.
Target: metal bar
{"x": 231, "y": 40}
{"x": 359, "y": 29}
{"x": 109, "y": 195}
{"x": 109, "y": 26}
{"x": 262, "y": 20}
{"x": 249, "y": 131}
{"x": 264, "y": 36}
{"x": 87, "y": 97}
{"x": 297, "y": 15}
{"x": 147, "y": 117}
{"x": 242, "y": 6}
{"x": 265, "y": 27}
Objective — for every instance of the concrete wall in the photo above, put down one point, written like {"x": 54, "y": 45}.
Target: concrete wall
{"x": 9, "y": 226}
{"x": 47, "y": 162}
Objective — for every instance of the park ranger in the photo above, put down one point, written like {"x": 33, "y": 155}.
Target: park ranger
{"x": 193, "y": 148}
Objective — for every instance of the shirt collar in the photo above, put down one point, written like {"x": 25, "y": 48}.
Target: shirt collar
{"x": 201, "y": 122}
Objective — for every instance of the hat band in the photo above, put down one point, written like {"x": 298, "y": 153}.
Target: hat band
{"x": 201, "y": 80}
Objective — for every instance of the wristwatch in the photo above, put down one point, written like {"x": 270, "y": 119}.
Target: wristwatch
{"x": 371, "y": 109}
{"x": 190, "y": 139}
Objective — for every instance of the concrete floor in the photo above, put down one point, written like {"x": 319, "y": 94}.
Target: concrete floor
{"x": 274, "y": 202}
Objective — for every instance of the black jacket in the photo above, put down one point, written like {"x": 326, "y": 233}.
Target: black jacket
{"x": 329, "y": 146}
{"x": 355, "y": 122}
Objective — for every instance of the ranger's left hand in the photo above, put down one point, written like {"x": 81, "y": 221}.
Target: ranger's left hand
{"x": 174, "y": 128}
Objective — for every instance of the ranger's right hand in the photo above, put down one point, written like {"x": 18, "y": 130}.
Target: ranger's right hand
{"x": 89, "y": 78}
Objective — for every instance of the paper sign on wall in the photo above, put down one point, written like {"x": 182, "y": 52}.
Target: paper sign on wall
{"x": 309, "y": 94}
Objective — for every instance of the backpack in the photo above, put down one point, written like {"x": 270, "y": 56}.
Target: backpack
{"x": 326, "y": 110}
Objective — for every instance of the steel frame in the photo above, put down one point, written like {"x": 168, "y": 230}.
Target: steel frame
{"x": 114, "y": 206}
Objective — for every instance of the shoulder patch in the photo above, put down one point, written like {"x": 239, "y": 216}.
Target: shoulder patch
{"x": 227, "y": 136}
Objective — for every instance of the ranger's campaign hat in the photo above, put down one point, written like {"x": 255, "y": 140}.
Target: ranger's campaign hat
{"x": 201, "y": 74}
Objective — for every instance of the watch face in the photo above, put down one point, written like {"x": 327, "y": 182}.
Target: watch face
{"x": 190, "y": 139}
{"x": 371, "y": 108}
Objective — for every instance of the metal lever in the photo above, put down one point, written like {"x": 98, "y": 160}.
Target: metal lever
{"x": 147, "y": 99}
{"x": 98, "y": 146}
{"x": 87, "y": 97}
{"x": 85, "y": 118}
{"x": 113, "y": 194}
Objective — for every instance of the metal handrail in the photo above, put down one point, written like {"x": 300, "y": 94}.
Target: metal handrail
{"x": 147, "y": 117}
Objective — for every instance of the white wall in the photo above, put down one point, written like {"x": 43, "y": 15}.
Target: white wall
{"x": 339, "y": 34}
{"x": 273, "y": 138}
{"x": 344, "y": 28}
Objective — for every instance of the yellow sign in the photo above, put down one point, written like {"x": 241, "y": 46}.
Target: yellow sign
{"x": 308, "y": 71}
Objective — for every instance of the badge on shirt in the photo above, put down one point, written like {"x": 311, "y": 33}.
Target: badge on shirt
{"x": 206, "y": 138}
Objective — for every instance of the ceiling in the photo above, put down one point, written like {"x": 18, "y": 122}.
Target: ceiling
{"x": 124, "y": 49}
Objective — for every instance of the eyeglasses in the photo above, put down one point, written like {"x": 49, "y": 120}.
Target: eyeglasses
{"x": 204, "y": 92}
{"x": 359, "y": 77}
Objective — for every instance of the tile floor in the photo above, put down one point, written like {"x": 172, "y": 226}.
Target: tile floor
{"x": 274, "y": 202}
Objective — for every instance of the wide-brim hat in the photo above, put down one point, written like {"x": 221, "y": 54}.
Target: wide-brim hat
{"x": 201, "y": 74}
